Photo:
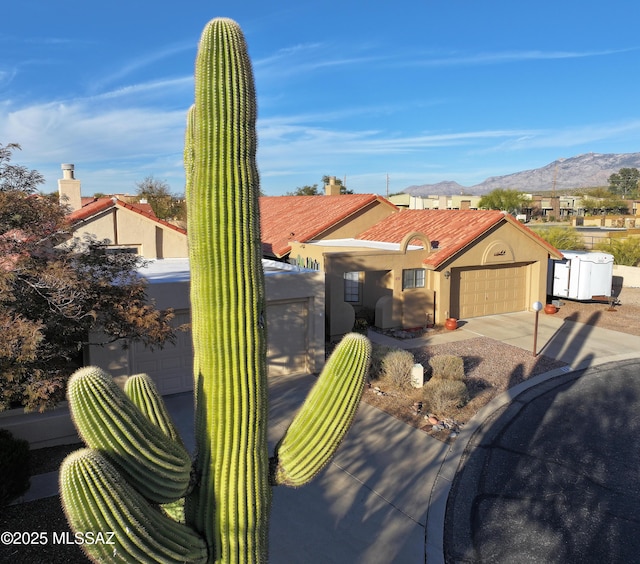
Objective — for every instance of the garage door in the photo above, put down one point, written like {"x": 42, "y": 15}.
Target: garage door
{"x": 287, "y": 330}
{"x": 170, "y": 367}
{"x": 488, "y": 290}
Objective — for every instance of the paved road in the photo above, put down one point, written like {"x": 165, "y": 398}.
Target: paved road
{"x": 554, "y": 476}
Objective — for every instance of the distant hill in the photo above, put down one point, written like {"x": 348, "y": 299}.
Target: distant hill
{"x": 583, "y": 171}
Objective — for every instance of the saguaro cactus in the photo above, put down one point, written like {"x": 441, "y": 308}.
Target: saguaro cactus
{"x": 228, "y": 497}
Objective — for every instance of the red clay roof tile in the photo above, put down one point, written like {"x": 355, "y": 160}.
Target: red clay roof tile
{"x": 449, "y": 231}
{"x": 303, "y": 218}
{"x": 102, "y": 204}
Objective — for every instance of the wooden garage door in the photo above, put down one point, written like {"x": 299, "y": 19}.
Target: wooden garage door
{"x": 170, "y": 367}
{"x": 489, "y": 290}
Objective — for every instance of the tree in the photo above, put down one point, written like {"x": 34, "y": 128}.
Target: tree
{"x": 315, "y": 191}
{"x": 602, "y": 201}
{"x": 55, "y": 290}
{"x": 305, "y": 191}
{"x": 502, "y": 199}
{"x": 625, "y": 182}
{"x": 163, "y": 203}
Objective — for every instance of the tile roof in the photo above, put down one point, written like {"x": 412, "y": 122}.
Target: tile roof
{"x": 449, "y": 231}
{"x": 98, "y": 205}
{"x": 302, "y": 218}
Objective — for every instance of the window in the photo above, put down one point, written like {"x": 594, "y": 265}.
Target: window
{"x": 352, "y": 287}
{"x": 413, "y": 278}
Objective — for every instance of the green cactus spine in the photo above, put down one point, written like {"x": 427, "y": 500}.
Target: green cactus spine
{"x": 231, "y": 504}
{"x": 142, "y": 391}
{"x": 319, "y": 427}
{"x": 108, "y": 421}
{"x": 97, "y": 500}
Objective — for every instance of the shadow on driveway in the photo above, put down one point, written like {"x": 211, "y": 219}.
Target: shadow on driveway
{"x": 552, "y": 475}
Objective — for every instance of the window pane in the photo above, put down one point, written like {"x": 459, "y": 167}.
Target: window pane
{"x": 352, "y": 287}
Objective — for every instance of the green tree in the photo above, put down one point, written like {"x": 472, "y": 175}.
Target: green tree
{"x": 315, "y": 191}
{"x": 305, "y": 191}
{"x": 55, "y": 290}
{"x": 602, "y": 201}
{"x": 564, "y": 238}
{"x": 502, "y": 199}
{"x": 625, "y": 182}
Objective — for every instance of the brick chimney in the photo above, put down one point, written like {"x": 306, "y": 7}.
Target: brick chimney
{"x": 69, "y": 188}
{"x": 332, "y": 189}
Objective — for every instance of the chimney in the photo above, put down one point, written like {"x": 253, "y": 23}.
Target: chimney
{"x": 69, "y": 188}
{"x": 332, "y": 189}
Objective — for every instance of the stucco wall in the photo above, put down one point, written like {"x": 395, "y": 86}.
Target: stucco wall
{"x": 628, "y": 276}
{"x": 124, "y": 227}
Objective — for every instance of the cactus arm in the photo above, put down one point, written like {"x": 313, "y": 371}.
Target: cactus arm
{"x": 231, "y": 503}
{"x": 319, "y": 427}
{"x": 142, "y": 391}
{"x": 107, "y": 420}
{"x": 96, "y": 499}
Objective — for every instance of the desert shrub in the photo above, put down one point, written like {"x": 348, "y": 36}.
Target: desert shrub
{"x": 392, "y": 366}
{"x": 566, "y": 238}
{"x": 378, "y": 352}
{"x": 447, "y": 367}
{"x": 14, "y": 467}
{"x": 442, "y": 396}
{"x": 625, "y": 251}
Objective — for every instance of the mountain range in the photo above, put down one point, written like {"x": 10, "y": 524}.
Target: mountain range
{"x": 583, "y": 171}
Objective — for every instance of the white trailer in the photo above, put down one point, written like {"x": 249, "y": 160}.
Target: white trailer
{"x": 581, "y": 275}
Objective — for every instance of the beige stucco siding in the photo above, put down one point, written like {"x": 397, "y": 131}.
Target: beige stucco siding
{"x": 127, "y": 228}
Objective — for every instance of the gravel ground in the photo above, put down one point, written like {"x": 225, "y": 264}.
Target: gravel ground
{"x": 492, "y": 367}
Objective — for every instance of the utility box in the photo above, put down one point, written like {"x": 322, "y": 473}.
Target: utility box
{"x": 417, "y": 376}
{"x": 581, "y": 275}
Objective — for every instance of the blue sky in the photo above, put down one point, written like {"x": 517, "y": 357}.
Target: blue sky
{"x": 421, "y": 91}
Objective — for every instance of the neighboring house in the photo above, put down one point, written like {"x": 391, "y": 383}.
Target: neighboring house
{"x": 129, "y": 227}
{"x": 295, "y": 297}
{"x": 409, "y": 268}
{"x": 287, "y": 219}
{"x": 436, "y": 202}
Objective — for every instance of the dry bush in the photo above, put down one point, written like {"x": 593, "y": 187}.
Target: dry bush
{"x": 447, "y": 367}
{"x": 442, "y": 396}
{"x": 395, "y": 368}
{"x": 378, "y": 352}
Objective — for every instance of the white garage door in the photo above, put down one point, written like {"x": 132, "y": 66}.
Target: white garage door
{"x": 287, "y": 344}
{"x": 170, "y": 367}
{"x": 489, "y": 290}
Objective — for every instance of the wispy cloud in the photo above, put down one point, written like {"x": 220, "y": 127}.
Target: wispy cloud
{"x": 502, "y": 57}
{"x": 141, "y": 62}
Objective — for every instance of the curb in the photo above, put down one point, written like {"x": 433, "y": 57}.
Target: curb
{"x": 475, "y": 427}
